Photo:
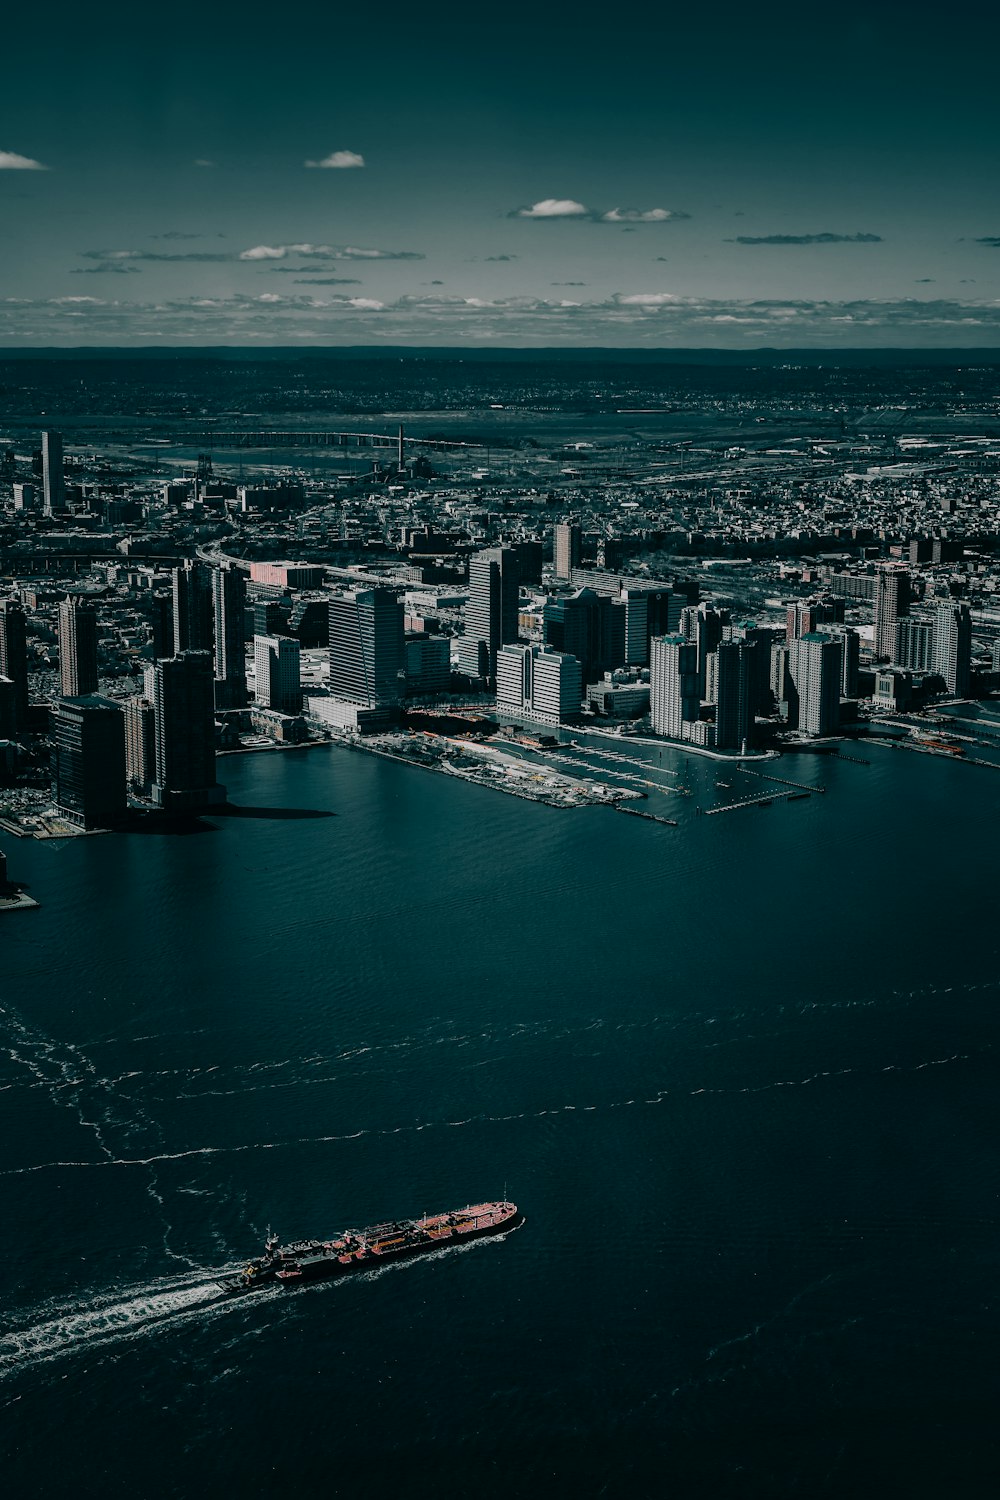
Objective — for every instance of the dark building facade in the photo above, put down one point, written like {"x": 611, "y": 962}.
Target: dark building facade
{"x": 88, "y": 761}
{"x": 184, "y": 718}
{"x": 14, "y": 658}
{"x": 77, "y": 648}
{"x": 589, "y": 626}
{"x": 194, "y": 608}
{"x": 229, "y": 593}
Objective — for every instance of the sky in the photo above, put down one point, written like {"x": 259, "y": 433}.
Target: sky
{"x": 721, "y": 176}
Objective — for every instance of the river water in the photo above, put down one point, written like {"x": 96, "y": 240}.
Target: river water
{"x": 740, "y": 1075}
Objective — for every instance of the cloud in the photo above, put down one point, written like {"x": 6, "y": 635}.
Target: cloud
{"x": 651, "y": 320}
{"x": 569, "y": 283}
{"x": 201, "y": 161}
{"x": 176, "y": 234}
{"x": 568, "y": 208}
{"x": 106, "y": 268}
{"x": 203, "y": 257}
{"x": 806, "y": 239}
{"x": 989, "y": 239}
{"x": 319, "y": 280}
{"x": 647, "y": 299}
{"x": 325, "y": 252}
{"x": 339, "y": 159}
{"x": 641, "y": 216}
{"x": 11, "y": 162}
{"x": 553, "y": 208}
{"x": 501, "y": 257}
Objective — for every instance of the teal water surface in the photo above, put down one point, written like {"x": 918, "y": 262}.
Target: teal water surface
{"x": 740, "y": 1075}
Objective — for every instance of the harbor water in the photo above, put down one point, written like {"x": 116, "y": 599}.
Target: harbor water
{"x": 740, "y": 1075}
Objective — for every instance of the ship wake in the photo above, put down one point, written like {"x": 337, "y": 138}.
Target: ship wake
{"x": 125, "y": 1314}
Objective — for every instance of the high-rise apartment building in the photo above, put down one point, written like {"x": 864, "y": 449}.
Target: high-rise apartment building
{"x": 366, "y": 647}
{"x": 14, "y": 657}
{"x": 539, "y": 683}
{"x": 77, "y": 648}
{"x": 194, "y": 608}
{"x": 736, "y": 669}
{"x": 491, "y": 610}
{"x": 53, "y": 483}
{"x": 590, "y": 626}
{"x": 892, "y": 604}
{"x": 229, "y": 595}
{"x": 428, "y": 665}
{"x": 648, "y": 612}
{"x": 277, "y": 673}
{"x": 88, "y": 761}
{"x": 183, "y": 694}
{"x": 815, "y": 669}
{"x": 140, "y": 744}
{"x": 24, "y": 497}
{"x": 675, "y": 697}
{"x": 914, "y": 645}
{"x": 567, "y": 549}
{"x": 953, "y": 647}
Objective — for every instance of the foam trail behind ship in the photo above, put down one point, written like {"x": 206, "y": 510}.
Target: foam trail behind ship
{"x": 110, "y": 1318}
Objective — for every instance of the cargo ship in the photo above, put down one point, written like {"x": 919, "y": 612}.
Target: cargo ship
{"x": 304, "y": 1261}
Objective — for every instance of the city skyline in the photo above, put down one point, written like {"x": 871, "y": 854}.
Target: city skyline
{"x": 730, "y": 180}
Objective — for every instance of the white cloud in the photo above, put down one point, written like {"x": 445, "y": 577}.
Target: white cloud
{"x": 648, "y": 299}
{"x": 201, "y": 161}
{"x": 94, "y": 301}
{"x": 269, "y": 297}
{"x": 639, "y": 216}
{"x": 554, "y": 208}
{"x": 366, "y": 304}
{"x": 11, "y": 162}
{"x": 339, "y": 159}
{"x": 325, "y": 252}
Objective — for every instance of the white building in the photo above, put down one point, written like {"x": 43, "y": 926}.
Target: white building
{"x": 675, "y": 698}
{"x": 277, "y": 675}
{"x": 539, "y": 683}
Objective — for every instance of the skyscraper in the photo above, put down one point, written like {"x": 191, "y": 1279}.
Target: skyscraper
{"x": 567, "y": 548}
{"x": 183, "y": 692}
{"x": 892, "y": 603}
{"x": 648, "y": 612}
{"x": 914, "y": 645}
{"x": 366, "y": 647}
{"x": 491, "y": 611}
{"x": 77, "y": 648}
{"x": 194, "y": 608}
{"x": 140, "y": 744}
{"x": 53, "y": 484}
{"x": 14, "y": 657}
{"x": 590, "y": 626}
{"x": 229, "y": 594}
{"x": 953, "y": 647}
{"x": 815, "y": 670}
{"x": 88, "y": 760}
{"x": 736, "y": 684}
{"x": 539, "y": 683}
{"x": 675, "y": 698}
{"x": 277, "y": 673}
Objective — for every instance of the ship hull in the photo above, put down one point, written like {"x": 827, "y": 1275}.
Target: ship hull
{"x": 304, "y": 1262}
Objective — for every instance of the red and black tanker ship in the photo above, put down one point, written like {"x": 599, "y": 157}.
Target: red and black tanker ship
{"x": 367, "y": 1249}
